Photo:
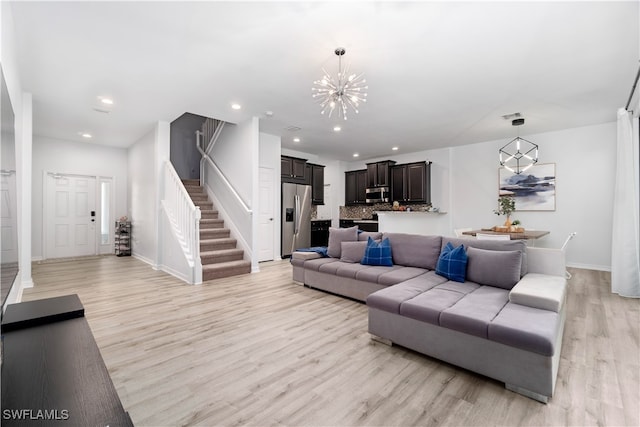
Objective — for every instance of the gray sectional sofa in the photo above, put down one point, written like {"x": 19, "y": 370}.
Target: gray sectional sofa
{"x": 505, "y": 321}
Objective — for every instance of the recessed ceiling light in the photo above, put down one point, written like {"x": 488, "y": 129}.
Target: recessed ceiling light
{"x": 86, "y": 135}
{"x": 236, "y": 106}
{"x": 356, "y": 155}
{"x": 337, "y": 128}
{"x": 296, "y": 139}
{"x": 394, "y": 148}
{"x": 106, "y": 101}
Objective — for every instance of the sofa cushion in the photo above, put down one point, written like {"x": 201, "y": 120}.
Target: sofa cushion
{"x": 528, "y": 328}
{"x": 452, "y": 263}
{"x": 371, "y": 273}
{"x": 390, "y": 298}
{"x": 305, "y": 255}
{"x": 473, "y": 313}
{"x": 339, "y": 235}
{"x": 493, "y": 245}
{"x": 540, "y": 291}
{"x": 332, "y": 267}
{"x": 462, "y": 288}
{"x": 400, "y": 275}
{"x": 377, "y": 253}
{"x": 315, "y": 264}
{"x": 428, "y": 305}
{"x": 297, "y": 262}
{"x": 349, "y": 270}
{"x": 352, "y": 251}
{"x": 364, "y": 235}
{"x": 494, "y": 268}
{"x": 414, "y": 250}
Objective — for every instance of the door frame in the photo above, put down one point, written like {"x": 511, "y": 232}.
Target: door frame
{"x": 274, "y": 178}
{"x": 98, "y": 181}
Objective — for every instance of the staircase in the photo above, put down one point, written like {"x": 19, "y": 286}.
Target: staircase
{"x": 218, "y": 253}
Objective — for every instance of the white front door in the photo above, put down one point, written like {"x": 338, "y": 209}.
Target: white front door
{"x": 266, "y": 215}
{"x": 70, "y": 216}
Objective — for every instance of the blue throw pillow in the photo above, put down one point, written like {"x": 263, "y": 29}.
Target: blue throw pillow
{"x": 452, "y": 263}
{"x": 377, "y": 253}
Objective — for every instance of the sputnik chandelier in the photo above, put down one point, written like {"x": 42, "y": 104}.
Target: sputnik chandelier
{"x": 519, "y": 154}
{"x": 347, "y": 90}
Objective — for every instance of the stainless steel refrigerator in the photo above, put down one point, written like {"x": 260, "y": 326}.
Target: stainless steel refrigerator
{"x": 296, "y": 217}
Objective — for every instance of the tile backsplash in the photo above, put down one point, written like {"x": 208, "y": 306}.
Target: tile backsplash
{"x": 366, "y": 211}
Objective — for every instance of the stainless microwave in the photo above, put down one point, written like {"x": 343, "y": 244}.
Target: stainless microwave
{"x": 377, "y": 195}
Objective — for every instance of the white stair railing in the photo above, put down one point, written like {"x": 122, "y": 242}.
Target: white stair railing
{"x": 184, "y": 217}
{"x": 200, "y": 136}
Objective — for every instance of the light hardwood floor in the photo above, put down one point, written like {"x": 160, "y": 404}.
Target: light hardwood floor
{"x": 260, "y": 350}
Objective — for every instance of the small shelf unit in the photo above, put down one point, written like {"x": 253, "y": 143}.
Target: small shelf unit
{"x": 123, "y": 238}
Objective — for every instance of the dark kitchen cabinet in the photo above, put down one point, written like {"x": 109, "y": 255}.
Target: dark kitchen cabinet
{"x": 317, "y": 184}
{"x": 378, "y": 173}
{"x": 293, "y": 169}
{"x": 411, "y": 183}
{"x": 320, "y": 232}
{"x": 355, "y": 191}
{"x": 346, "y": 223}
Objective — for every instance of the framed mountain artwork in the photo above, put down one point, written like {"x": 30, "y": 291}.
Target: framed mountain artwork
{"x": 533, "y": 190}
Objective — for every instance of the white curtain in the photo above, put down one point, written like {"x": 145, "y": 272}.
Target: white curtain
{"x": 625, "y": 253}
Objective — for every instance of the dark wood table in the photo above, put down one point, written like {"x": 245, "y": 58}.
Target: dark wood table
{"x": 525, "y": 235}
{"x": 52, "y": 370}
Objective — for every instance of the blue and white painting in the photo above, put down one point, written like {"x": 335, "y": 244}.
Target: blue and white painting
{"x": 533, "y": 190}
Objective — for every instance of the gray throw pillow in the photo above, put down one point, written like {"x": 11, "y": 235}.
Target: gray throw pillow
{"x": 339, "y": 235}
{"x": 375, "y": 235}
{"x": 352, "y": 251}
{"x": 493, "y": 268}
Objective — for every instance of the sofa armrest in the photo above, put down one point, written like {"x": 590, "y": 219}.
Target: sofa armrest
{"x": 546, "y": 261}
{"x": 541, "y": 291}
{"x": 305, "y": 256}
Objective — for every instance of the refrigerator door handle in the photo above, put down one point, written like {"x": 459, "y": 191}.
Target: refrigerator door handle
{"x": 296, "y": 215}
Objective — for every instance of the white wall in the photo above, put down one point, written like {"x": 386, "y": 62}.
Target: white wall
{"x": 236, "y": 153}
{"x": 143, "y": 198}
{"x": 22, "y": 107}
{"x": 66, "y": 157}
{"x": 585, "y": 170}
{"x": 232, "y": 153}
{"x": 465, "y": 185}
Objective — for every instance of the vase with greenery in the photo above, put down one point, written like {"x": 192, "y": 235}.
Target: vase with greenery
{"x": 506, "y": 206}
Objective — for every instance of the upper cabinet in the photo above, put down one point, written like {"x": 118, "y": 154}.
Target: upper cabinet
{"x": 411, "y": 183}
{"x": 298, "y": 171}
{"x": 355, "y": 191}
{"x": 317, "y": 184}
{"x": 378, "y": 174}
{"x": 293, "y": 169}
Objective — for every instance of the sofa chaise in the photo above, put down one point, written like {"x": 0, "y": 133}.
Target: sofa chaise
{"x": 504, "y": 321}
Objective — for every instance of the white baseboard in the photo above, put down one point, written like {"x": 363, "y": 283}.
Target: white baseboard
{"x": 145, "y": 260}
{"x": 174, "y": 273}
{"x": 589, "y": 266}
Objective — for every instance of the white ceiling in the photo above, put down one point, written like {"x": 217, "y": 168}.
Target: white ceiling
{"x": 439, "y": 73}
